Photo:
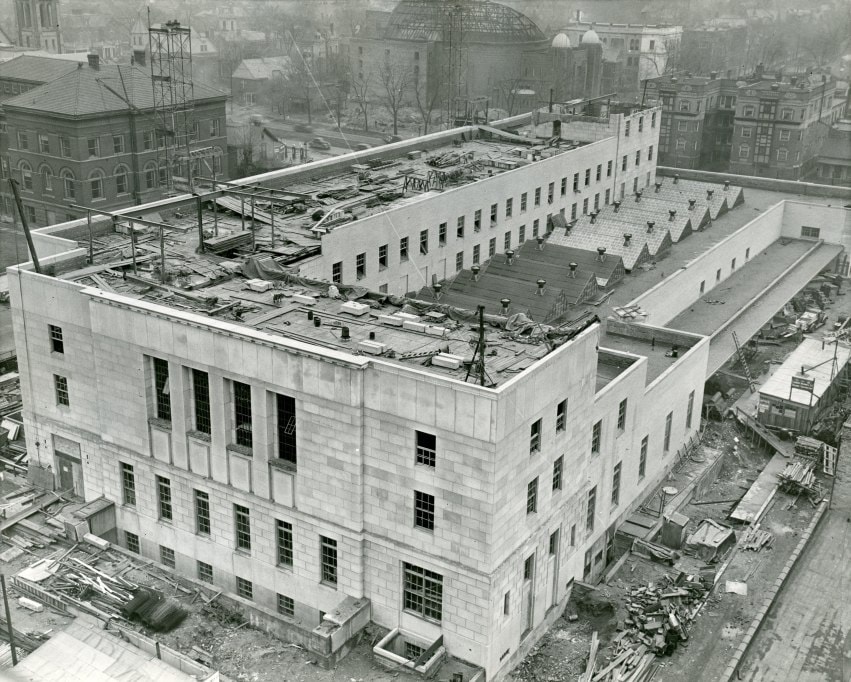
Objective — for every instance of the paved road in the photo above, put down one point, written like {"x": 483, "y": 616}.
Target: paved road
{"x": 807, "y": 634}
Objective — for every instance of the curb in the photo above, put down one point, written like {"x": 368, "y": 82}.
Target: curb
{"x": 730, "y": 672}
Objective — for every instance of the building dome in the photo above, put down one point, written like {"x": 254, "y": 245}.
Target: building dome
{"x": 590, "y": 37}
{"x": 481, "y": 21}
{"x": 561, "y": 42}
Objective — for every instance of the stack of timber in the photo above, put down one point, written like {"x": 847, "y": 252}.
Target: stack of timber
{"x": 755, "y": 539}
{"x": 799, "y": 478}
{"x": 228, "y": 242}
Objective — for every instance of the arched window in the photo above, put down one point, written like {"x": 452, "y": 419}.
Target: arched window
{"x": 121, "y": 180}
{"x": 69, "y": 184}
{"x": 46, "y": 178}
{"x": 26, "y": 175}
{"x": 150, "y": 175}
{"x": 96, "y": 184}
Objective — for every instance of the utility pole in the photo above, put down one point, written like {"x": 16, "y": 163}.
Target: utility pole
{"x": 9, "y": 621}
{"x": 14, "y": 185}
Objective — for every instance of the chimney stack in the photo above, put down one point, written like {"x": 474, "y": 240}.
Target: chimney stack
{"x": 626, "y": 239}
{"x": 506, "y": 303}
{"x": 572, "y": 267}
{"x": 713, "y": 75}
{"x": 650, "y": 224}
{"x": 691, "y": 203}
{"x": 510, "y": 256}
{"x": 475, "y": 270}
{"x": 709, "y": 194}
{"x": 94, "y": 61}
{"x": 671, "y": 215}
{"x": 541, "y": 284}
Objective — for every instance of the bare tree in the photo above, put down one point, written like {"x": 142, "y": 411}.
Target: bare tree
{"x": 359, "y": 88}
{"x": 395, "y": 81}
{"x": 427, "y": 96}
{"x": 303, "y": 84}
{"x": 509, "y": 92}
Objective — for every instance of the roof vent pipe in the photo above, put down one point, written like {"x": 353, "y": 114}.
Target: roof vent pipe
{"x": 344, "y": 334}
{"x": 475, "y": 270}
{"x": 541, "y": 284}
{"x": 691, "y": 203}
{"x": 510, "y": 256}
{"x": 593, "y": 215}
{"x": 658, "y": 186}
{"x": 709, "y": 194}
{"x": 676, "y": 178}
{"x": 94, "y": 61}
{"x": 309, "y": 314}
{"x": 650, "y": 225}
{"x": 726, "y": 185}
{"x": 713, "y": 75}
{"x": 572, "y": 267}
{"x": 638, "y": 196}
{"x": 506, "y": 303}
{"x": 601, "y": 253}
{"x": 540, "y": 243}
{"x": 372, "y": 336}
{"x": 317, "y": 321}
{"x": 626, "y": 239}
{"x": 437, "y": 289}
{"x": 671, "y": 215}
{"x": 617, "y": 206}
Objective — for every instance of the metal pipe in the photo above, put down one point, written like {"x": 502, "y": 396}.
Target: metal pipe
{"x": 133, "y": 248}
{"x": 162, "y": 255}
{"x": 9, "y": 621}
{"x": 14, "y": 184}
{"x": 215, "y": 213}
{"x": 91, "y": 238}
{"x": 200, "y": 212}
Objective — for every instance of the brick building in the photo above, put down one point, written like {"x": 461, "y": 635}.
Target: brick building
{"x": 38, "y": 24}
{"x": 87, "y": 135}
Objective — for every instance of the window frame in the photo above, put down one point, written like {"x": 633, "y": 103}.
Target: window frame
{"x": 532, "y": 496}
{"x": 422, "y": 592}
{"x": 201, "y": 504}
{"x": 424, "y": 510}
{"x": 328, "y": 560}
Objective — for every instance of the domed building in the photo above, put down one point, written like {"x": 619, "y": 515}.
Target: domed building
{"x": 456, "y": 53}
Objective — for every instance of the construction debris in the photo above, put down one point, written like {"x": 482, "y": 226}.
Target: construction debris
{"x": 799, "y": 478}
{"x": 755, "y": 539}
{"x": 711, "y": 540}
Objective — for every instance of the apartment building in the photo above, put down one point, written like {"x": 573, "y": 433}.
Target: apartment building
{"x": 88, "y": 135}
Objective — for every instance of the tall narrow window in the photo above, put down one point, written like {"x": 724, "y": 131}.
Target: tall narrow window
{"x": 441, "y": 234}
{"x": 551, "y": 192}
{"x": 424, "y": 242}
{"x": 128, "y": 484}
{"x": 535, "y": 437}
{"x": 591, "y": 511}
{"x": 616, "y": 485}
{"x": 423, "y": 592}
{"x": 337, "y": 272}
{"x": 558, "y": 472}
{"x": 201, "y": 400}
{"x": 423, "y": 510}
{"x": 284, "y": 537}
{"x": 164, "y": 498}
{"x": 622, "y": 414}
{"x": 328, "y": 556}
{"x": 162, "y": 392}
{"x": 596, "y": 435}
{"x": 132, "y": 542}
{"x": 554, "y": 542}
{"x": 524, "y": 199}
{"x": 57, "y": 341}
{"x": 492, "y": 247}
{"x": 426, "y": 448}
{"x": 242, "y": 414}
{"x": 561, "y": 416}
{"x": 360, "y": 266}
{"x": 459, "y": 228}
{"x": 689, "y": 409}
{"x": 532, "y": 496}
{"x": 642, "y": 458}
{"x": 205, "y": 572}
{"x": 403, "y": 249}
{"x": 537, "y": 196}
{"x": 477, "y": 220}
{"x": 202, "y": 513}
{"x": 459, "y": 261}
{"x": 60, "y": 386}
{"x": 509, "y": 206}
{"x": 242, "y": 524}
{"x": 287, "y": 450}
{"x": 382, "y": 257}
{"x": 668, "y": 421}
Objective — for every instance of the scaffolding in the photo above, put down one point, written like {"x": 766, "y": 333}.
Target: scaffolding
{"x": 171, "y": 76}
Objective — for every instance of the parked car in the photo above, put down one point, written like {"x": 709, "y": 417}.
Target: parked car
{"x": 391, "y": 138}
{"x": 319, "y": 143}
{"x": 303, "y": 128}
{"x": 363, "y": 146}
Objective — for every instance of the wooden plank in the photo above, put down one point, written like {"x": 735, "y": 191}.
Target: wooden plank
{"x": 592, "y": 659}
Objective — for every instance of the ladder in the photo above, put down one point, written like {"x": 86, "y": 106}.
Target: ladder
{"x": 741, "y": 353}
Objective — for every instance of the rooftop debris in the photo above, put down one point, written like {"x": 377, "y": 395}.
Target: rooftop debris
{"x": 799, "y": 478}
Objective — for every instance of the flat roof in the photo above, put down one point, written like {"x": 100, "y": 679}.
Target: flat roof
{"x": 817, "y": 360}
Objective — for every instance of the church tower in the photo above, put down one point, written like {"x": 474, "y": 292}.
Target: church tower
{"x": 38, "y": 24}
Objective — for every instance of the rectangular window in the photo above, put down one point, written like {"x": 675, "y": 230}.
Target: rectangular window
{"x": 524, "y": 198}
{"x": 426, "y": 448}
{"x": 147, "y": 139}
{"x": 403, "y": 249}
{"x": 532, "y": 496}
{"x": 244, "y": 588}
{"x": 459, "y": 261}
{"x": 608, "y": 197}
{"x": 521, "y": 234}
{"x": 477, "y": 220}
{"x": 164, "y": 498}
{"x": 202, "y": 512}
{"x": 128, "y": 484}
{"x": 286, "y": 606}
{"x": 616, "y": 485}
{"x": 551, "y": 190}
{"x": 328, "y": 553}
{"x": 563, "y": 187}
{"x": 785, "y": 135}
{"x": 57, "y": 342}
{"x": 242, "y": 414}
{"x": 626, "y": 129}
{"x": 167, "y": 556}
{"x": 205, "y": 572}
{"x": 459, "y": 228}
{"x": 65, "y": 146}
{"x": 506, "y": 603}
{"x": 535, "y": 437}
{"x": 596, "y": 436}
{"x": 423, "y": 510}
{"x": 494, "y": 213}
{"x": 535, "y": 227}
{"x": 286, "y": 428}
{"x": 650, "y": 153}
{"x": 642, "y": 458}
{"x": 585, "y": 206}
{"x": 558, "y": 471}
{"x": 423, "y": 592}
{"x": 60, "y": 385}
{"x": 337, "y": 272}
{"x": 718, "y": 275}
{"x": 132, "y": 542}
{"x": 689, "y": 409}
{"x": 382, "y": 257}
{"x": 424, "y": 242}
{"x": 599, "y": 175}
{"x": 201, "y": 401}
{"x": 587, "y": 177}
{"x": 23, "y": 140}
{"x": 668, "y": 421}
{"x": 118, "y": 144}
{"x": 476, "y": 254}
{"x": 242, "y": 526}
{"x": 360, "y": 265}
{"x": 622, "y": 414}
{"x": 441, "y": 234}
{"x": 215, "y": 128}
{"x": 590, "y": 512}
{"x": 576, "y": 182}
{"x": 747, "y": 253}
{"x": 93, "y": 146}
{"x": 284, "y": 538}
{"x": 561, "y": 416}
{"x": 529, "y": 567}
{"x": 537, "y": 196}
{"x": 507, "y": 241}
{"x": 162, "y": 392}
{"x": 653, "y": 120}
{"x": 43, "y": 144}
{"x": 508, "y": 207}
{"x": 492, "y": 247}
{"x": 609, "y": 169}
{"x": 554, "y": 543}
{"x": 638, "y": 158}
{"x": 573, "y": 210}
{"x": 810, "y": 232}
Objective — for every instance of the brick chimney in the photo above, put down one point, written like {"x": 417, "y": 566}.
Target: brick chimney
{"x": 94, "y": 61}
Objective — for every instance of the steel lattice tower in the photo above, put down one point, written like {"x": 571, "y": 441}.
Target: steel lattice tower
{"x": 171, "y": 76}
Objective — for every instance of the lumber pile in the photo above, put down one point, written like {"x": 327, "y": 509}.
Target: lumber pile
{"x": 799, "y": 478}
{"x": 755, "y": 539}
{"x": 654, "y": 552}
{"x": 228, "y": 242}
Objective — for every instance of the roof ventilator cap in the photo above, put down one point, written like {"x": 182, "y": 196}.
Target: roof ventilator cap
{"x": 676, "y": 178}
{"x": 650, "y": 225}
{"x": 506, "y": 303}
{"x": 437, "y": 287}
{"x": 593, "y": 215}
{"x": 475, "y": 270}
{"x": 510, "y": 256}
{"x": 671, "y": 215}
{"x": 540, "y": 243}
{"x": 638, "y": 196}
{"x": 617, "y": 206}
{"x": 541, "y": 284}
{"x": 626, "y": 239}
{"x": 344, "y": 334}
{"x": 658, "y": 186}
{"x": 709, "y": 194}
{"x": 573, "y": 267}
{"x": 691, "y": 203}
{"x": 726, "y": 185}
{"x": 601, "y": 253}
